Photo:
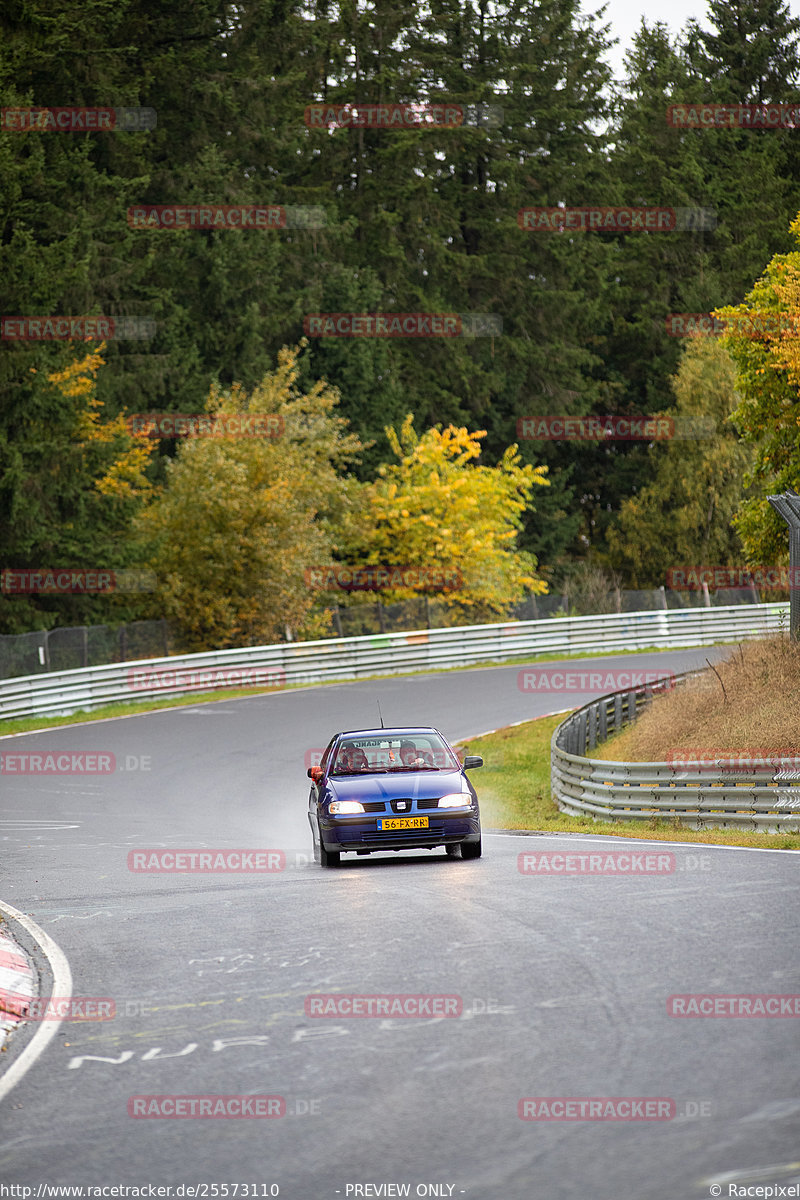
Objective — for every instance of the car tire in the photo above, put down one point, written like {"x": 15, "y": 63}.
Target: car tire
{"x": 471, "y": 849}
{"x": 327, "y": 858}
{"x": 451, "y": 850}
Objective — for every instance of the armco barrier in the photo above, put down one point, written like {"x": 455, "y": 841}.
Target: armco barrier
{"x": 64, "y": 692}
{"x": 688, "y": 792}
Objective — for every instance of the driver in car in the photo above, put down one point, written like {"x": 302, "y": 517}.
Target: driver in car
{"x": 410, "y": 756}
{"x": 352, "y": 759}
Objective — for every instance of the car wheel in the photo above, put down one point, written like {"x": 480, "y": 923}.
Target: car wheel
{"x": 451, "y": 850}
{"x": 327, "y": 858}
{"x": 471, "y": 849}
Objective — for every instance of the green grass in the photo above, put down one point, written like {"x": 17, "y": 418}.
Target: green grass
{"x": 514, "y": 793}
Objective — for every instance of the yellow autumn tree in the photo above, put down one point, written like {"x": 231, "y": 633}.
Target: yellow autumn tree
{"x": 243, "y": 520}
{"x": 786, "y": 285}
{"x": 74, "y": 480}
{"x": 767, "y": 358}
{"x": 116, "y": 458}
{"x": 438, "y": 512}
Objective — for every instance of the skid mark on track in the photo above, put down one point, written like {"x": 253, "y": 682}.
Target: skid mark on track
{"x": 36, "y": 826}
{"x": 101, "y": 912}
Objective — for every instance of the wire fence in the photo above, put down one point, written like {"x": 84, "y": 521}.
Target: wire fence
{"x": 354, "y": 620}
{"x": 82, "y": 646}
{"x": 94, "y": 645}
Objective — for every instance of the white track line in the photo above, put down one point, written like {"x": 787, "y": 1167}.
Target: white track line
{"x": 62, "y": 987}
{"x": 622, "y": 838}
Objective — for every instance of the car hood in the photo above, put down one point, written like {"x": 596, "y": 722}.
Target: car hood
{"x": 424, "y": 785}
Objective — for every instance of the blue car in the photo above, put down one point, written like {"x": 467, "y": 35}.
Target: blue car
{"x": 392, "y": 789}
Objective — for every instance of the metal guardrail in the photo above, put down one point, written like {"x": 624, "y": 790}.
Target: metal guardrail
{"x": 66, "y": 648}
{"x": 65, "y": 692}
{"x": 736, "y": 793}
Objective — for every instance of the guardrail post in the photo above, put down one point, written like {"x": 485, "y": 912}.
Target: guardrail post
{"x": 583, "y": 785}
{"x": 788, "y": 507}
{"x": 51, "y": 693}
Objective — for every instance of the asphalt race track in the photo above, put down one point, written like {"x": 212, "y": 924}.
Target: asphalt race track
{"x": 563, "y": 981}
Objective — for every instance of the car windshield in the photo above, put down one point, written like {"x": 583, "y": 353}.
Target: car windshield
{"x": 379, "y": 755}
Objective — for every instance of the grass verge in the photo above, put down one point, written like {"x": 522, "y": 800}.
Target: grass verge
{"x": 514, "y": 792}
{"x": 748, "y": 703}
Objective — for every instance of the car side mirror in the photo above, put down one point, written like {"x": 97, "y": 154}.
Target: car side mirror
{"x": 315, "y": 774}
{"x": 472, "y": 760}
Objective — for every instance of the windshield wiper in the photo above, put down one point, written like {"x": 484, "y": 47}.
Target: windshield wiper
{"x": 426, "y": 767}
{"x": 354, "y": 774}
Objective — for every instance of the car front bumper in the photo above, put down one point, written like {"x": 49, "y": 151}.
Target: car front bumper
{"x": 358, "y": 833}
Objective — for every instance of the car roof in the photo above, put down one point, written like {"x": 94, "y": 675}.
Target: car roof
{"x": 389, "y": 731}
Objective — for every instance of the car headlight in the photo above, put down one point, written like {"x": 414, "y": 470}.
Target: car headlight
{"x": 343, "y": 807}
{"x": 455, "y": 800}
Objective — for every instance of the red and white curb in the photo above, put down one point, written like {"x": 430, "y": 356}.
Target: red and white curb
{"x": 18, "y": 982}
{"x": 61, "y": 985}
